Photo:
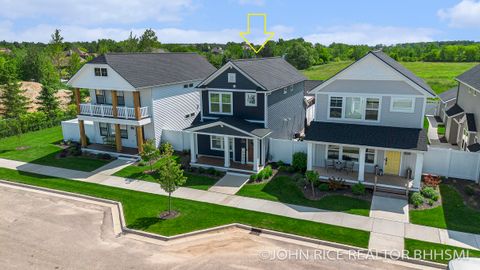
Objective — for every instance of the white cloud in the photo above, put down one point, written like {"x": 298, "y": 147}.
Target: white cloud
{"x": 90, "y": 12}
{"x": 370, "y": 34}
{"x": 464, "y": 14}
{"x": 252, "y": 2}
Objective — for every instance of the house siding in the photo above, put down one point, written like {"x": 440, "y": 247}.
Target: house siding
{"x": 286, "y": 112}
{"x": 256, "y": 113}
{"x": 469, "y": 102}
{"x": 242, "y": 82}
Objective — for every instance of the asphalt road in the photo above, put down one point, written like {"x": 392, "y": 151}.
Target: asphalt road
{"x": 39, "y": 231}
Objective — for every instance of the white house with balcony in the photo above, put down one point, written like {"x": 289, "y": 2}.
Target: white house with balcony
{"x": 134, "y": 97}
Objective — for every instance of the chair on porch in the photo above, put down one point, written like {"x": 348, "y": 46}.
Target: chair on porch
{"x": 329, "y": 163}
{"x": 348, "y": 166}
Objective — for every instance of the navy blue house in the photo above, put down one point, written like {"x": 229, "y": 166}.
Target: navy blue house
{"x": 243, "y": 104}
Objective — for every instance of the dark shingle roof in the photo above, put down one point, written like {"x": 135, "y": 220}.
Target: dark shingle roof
{"x": 471, "y": 77}
{"x": 404, "y": 71}
{"x": 272, "y": 73}
{"x": 368, "y": 135}
{"x": 471, "y": 126}
{"x": 474, "y": 147}
{"x": 310, "y": 84}
{"x": 249, "y": 127}
{"x": 151, "y": 69}
{"x": 454, "y": 110}
{"x": 449, "y": 94}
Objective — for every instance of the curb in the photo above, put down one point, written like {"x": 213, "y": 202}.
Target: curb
{"x": 120, "y": 227}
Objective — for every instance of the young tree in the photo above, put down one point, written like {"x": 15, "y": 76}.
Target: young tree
{"x": 47, "y": 101}
{"x": 170, "y": 178}
{"x": 74, "y": 64}
{"x": 150, "y": 153}
{"x": 166, "y": 150}
{"x": 312, "y": 178}
{"x": 13, "y": 100}
{"x": 131, "y": 43}
{"x": 56, "y": 48}
{"x": 148, "y": 41}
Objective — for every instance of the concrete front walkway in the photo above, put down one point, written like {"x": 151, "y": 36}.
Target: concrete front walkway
{"x": 382, "y": 229}
{"x": 231, "y": 183}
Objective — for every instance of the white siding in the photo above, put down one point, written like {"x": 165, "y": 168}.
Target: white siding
{"x": 71, "y": 130}
{"x": 85, "y": 78}
{"x": 178, "y": 139}
{"x": 284, "y": 149}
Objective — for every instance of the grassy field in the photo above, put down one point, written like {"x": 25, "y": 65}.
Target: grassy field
{"x": 141, "y": 212}
{"x": 283, "y": 189}
{"x": 137, "y": 172}
{"x": 436, "y": 252}
{"x": 440, "y": 76}
{"x": 39, "y": 147}
{"x": 453, "y": 214}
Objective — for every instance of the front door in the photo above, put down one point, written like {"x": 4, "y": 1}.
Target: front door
{"x": 392, "y": 162}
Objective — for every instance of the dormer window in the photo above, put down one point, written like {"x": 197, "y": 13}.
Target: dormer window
{"x": 232, "y": 77}
{"x": 100, "y": 72}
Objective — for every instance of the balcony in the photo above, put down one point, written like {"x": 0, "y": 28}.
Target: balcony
{"x": 102, "y": 110}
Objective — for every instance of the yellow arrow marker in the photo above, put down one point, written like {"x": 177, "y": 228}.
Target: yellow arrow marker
{"x": 268, "y": 34}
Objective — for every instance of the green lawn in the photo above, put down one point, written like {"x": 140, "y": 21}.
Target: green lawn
{"x": 426, "y": 124}
{"x": 428, "y": 251}
{"x": 453, "y": 214}
{"x": 141, "y": 211}
{"x": 39, "y": 147}
{"x": 193, "y": 181}
{"x": 440, "y": 76}
{"x": 283, "y": 189}
{"x": 441, "y": 129}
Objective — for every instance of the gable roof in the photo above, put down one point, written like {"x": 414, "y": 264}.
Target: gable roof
{"x": 152, "y": 69}
{"x": 216, "y": 126}
{"x": 449, "y": 95}
{"x": 310, "y": 85}
{"x": 471, "y": 77}
{"x": 404, "y": 71}
{"x": 470, "y": 118}
{"x": 454, "y": 110}
{"x": 269, "y": 73}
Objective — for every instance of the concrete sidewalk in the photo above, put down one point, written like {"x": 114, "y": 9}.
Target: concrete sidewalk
{"x": 231, "y": 183}
{"x": 379, "y": 227}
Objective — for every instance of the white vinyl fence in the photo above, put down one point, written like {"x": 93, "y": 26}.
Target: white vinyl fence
{"x": 452, "y": 163}
{"x": 432, "y": 107}
{"x": 178, "y": 139}
{"x": 284, "y": 149}
{"x": 71, "y": 130}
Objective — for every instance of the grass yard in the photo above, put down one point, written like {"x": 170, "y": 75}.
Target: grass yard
{"x": 426, "y": 124}
{"x": 283, "y": 189}
{"x": 193, "y": 181}
{"x": 39, "y": 147}
{"x": 453, "y": 214}
{"x": 441, "y": 129}
{"x": 428, "y": 251}
{"x": 141, "y": 211}
{"x": 439, "y": 75}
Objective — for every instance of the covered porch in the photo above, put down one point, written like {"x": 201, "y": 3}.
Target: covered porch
{"x": 111, "y": 149}
{"x": 228, "y": 144}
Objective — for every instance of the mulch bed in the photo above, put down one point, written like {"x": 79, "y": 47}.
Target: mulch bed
{"x": 460, "y": 185}
{"x": 168, "y": 215}
{"x": 425, "y": 204}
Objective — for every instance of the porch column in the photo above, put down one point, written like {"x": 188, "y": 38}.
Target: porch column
{"x": 418, "y": 171}
{"x": 263, "y": 150}
{"x": 193, "y": 152}
{"x": 361, "y": 164}
{"x": 309, "y": 156}
{"x": 139, "y": 139}
{"x": 255, "y": 155}
{"x": 226, "y": 152}
{"x": 136, "y": 104}
{"x": 118, "y": 136}
{"x": 81, "y": 124}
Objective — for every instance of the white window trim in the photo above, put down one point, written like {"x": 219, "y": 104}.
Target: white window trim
{"x": 340, "y": 153}
{"x": 411, "y": 110}
{"x": 232, "y": 77}
{"x": 220, "y": 102}
{"x": 246, "y": 99}
{"x": 364, "y": 104}
{"x": 231, "y": 142}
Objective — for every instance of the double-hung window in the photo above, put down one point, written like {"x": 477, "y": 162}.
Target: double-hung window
{"x": 350, "y": 154}
{"x": 336, "y": 105}
{"x": 333, "y": 152}
{"x": 371, "y": 109}
{"x": 100, "y": 72}
{"x": 123, "y": 131}
{"x": 104, "y": 128}
{"x": 402, "y": 104}
{"x": 120, "y": 98}
{"x": 232, "y": 77}
{"x": 353, "y": 108}
{"x": 370, "y": 156}
{"x": 216, "y": 143}
{"x": 220, "y": 102}
{"x": 100, "y": 96}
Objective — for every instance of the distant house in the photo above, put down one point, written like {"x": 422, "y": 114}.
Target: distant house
{"x": 463, "y": 117}
{"x": 217, "y": 50}
{"x": 5, "y": 50}
{"x": 447, "y": 100}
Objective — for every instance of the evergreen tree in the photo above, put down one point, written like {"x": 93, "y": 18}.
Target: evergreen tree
{"x": 13, "y": 100}
{"x": 56, "y": 48}
{"x": 74, "y": 64}
{"x": 148, "y": 41}
{"x": 47, "y": 101}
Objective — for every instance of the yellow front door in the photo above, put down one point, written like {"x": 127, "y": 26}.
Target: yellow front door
{"x": 392, "y": 162}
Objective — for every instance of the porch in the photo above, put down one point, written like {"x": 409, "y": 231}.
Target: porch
{"x": 218, "y": 163}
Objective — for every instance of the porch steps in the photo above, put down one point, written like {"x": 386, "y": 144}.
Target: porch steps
{"x": 390, "y": 193}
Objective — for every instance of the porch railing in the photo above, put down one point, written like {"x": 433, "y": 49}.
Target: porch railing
{"x": 107, "y": 111}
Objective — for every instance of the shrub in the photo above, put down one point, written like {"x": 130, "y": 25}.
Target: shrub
{"x": 211, "y": 171}
{"x": 201, "y": 170}
{"x": 290, "y": 169}
{"x": 280, "y": 163}
{"x": 431, "y": 202}
{"x": 166, "y": 149}
{"x": 416, "y": 199}
{"x": 142, "y": 163}
{"x": 358, "y": 189}
{"x": 431, "y": 180}
{"x": 430, "y": 193}
{"x": 298, "y": 177}
{"x": 106, "y": 156}
{"x": 63, "y": 154}
{"x": 299, "y": 161}
{"x": 323, "y": 187}
{"x": 261, "y": 175}
{"x": 469, "y": 190}
{"x": 253, "y": 177}
{"x": 334, "y": 184}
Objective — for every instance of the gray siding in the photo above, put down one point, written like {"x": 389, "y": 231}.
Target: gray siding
{"x": 470, "y": 103}
{"x": 239, "y": 109}
{"x": 387, "y": 118}
{"x": 286, "y": 112}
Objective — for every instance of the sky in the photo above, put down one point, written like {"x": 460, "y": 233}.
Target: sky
{"x": 219, "y": 21}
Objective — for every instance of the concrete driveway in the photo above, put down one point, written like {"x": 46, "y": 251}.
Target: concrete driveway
{"x": 38, "y": 231}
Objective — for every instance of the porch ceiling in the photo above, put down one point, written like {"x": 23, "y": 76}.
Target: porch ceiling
{"x": 230, "y": 126}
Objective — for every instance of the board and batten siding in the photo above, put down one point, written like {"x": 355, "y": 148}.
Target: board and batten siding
{"x": 242, "y": 82}
{"x": 241, "y": 111}
{"x": 170, "y": 107}
{"x": 286, "y": 112}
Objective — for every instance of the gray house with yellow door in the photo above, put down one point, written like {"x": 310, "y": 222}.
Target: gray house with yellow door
{"x": 368, "y": 124}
